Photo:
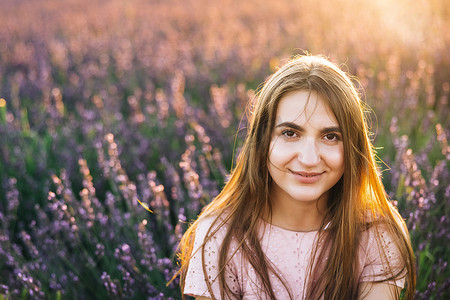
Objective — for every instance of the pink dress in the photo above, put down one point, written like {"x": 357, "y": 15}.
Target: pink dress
{"x": 288, "y": 251}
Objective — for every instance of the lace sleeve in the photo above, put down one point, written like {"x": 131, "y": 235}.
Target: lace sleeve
{"x": 196, "y": 279}
{"x": 382, "y": 259}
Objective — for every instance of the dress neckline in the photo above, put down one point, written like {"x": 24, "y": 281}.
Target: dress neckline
{"x": 271, "y": 226}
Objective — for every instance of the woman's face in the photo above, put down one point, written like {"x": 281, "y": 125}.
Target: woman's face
{"x": 306, "y": 154}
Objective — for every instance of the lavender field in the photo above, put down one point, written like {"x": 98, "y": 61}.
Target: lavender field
{"x": 104, "y": 103}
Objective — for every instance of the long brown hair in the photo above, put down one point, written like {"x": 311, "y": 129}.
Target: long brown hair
{"x": 358, "y": 201}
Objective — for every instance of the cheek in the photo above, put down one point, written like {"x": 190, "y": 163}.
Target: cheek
{"x": 279, "y": 152}
{"x": 334, "y": 156}
{"x": 273, "y": 155}
{"x": 276, "y": 158}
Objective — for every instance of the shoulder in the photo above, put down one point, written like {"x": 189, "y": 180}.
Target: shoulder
{"x": 379, "y": 238}
{"x": 210, "y": 233}
{"x": 380, "y": 253}
{"x": 211, "y": 227}
{"x": 202, "y": 276}
{"x": 384, "y": 230}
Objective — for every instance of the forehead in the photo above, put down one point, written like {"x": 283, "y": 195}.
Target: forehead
{"x": 305, "y": 106}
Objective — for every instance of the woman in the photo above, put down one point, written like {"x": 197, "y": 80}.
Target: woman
{"x": 304, "y": 214}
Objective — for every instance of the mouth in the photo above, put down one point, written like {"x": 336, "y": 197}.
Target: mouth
{"x": 306, "y": 174}
{"x": 307, "y": 177}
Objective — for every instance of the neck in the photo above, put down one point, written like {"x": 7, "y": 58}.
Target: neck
{"x": 297, "y": 215}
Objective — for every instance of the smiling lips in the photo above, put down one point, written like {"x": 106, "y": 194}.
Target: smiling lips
{"x": 307, "y": 177}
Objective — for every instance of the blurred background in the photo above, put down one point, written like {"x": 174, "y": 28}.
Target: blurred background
{"x": 104, "y": 103}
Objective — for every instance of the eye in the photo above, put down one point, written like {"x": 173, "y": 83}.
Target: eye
{"x": 289, "y": 133}
{"x": 332, "y": 137}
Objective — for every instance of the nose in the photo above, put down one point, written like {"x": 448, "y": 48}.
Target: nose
{"x": 308, "y": 153}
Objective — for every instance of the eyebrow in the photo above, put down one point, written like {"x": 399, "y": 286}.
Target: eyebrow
{"x": 300, "y": 128}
